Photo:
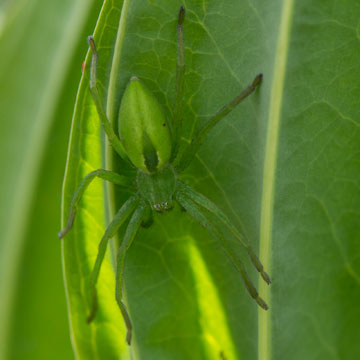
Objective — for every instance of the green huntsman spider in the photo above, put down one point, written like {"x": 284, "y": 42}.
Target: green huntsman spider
{"x": 152, "y": 148}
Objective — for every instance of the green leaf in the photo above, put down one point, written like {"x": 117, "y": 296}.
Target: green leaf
{"x": 283, "y": 166}
{"x": 103, "y": 337}
{"x": 42, "y": 46}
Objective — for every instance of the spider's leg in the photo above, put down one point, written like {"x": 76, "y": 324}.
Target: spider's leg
{"x": 133, "y": 227}
{"x": 114, "y": 140}
{"x": 204, "y": 202}
{"x": 102, "y": 174}
{"x": 120, "y": 217}
{"x": 194, "y": 211}
{"x": 180, "y": 77}
{"x": 199, "y": 137}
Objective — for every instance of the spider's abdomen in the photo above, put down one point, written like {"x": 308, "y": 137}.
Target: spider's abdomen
{"x": 143, "y": 128}
{"x": 158, "y": 188}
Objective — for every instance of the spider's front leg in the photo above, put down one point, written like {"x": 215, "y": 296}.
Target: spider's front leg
{"x": 196, "y": 213}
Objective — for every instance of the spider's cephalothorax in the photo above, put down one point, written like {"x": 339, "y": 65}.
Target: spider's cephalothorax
{"x": 151, "y": 145}
{"x": 158, "y": 188}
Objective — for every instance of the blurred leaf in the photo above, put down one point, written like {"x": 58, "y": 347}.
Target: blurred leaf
{"x": 283, "y": 166}
{"x": 43, "y": 46}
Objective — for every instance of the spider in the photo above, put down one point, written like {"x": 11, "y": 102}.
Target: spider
{"x": 152, "y": 148}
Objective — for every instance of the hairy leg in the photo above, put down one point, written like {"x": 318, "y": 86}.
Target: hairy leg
{"x": 100, "y": 173}
{"x": 199, "y": 137}
{"x": 131, "y": 231}
{"x": 195, "y": 212}
{"x": 204, "y": 202}
{"x": 120, "y": 217}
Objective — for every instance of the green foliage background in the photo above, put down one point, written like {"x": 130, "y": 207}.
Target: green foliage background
{"x": 284, "y": 166}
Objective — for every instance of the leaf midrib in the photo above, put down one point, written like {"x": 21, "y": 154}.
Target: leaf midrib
{"x": 268, "y": 188}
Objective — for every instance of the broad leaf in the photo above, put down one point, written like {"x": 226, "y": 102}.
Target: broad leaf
{"x": 283, "y": 166}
